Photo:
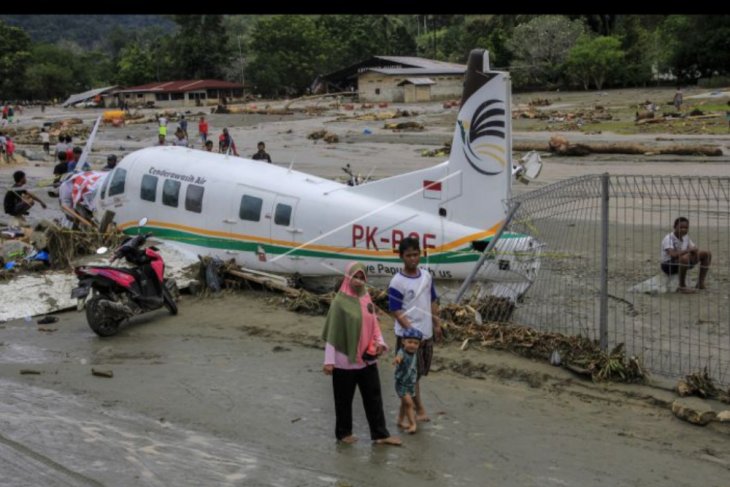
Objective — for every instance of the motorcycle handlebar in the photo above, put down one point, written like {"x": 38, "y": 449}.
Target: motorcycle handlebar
{"x": 131, "y": 244}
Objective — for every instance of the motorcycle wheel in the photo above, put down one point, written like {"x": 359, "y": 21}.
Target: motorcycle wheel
{"x": 101, "y": 323}
{"x": 169, "y": 302}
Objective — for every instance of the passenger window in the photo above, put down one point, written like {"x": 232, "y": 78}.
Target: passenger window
{"x": 148, "y": 192}
{"x": 250, "y": 208}
{"x": 170, "y": 192}
{"x": 282, "y": 215}
{"x": 117, "y": 184}
{"x": 194, "y": 198}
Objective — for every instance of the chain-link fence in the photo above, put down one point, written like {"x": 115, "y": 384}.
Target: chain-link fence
{"x": 600, "y": 276}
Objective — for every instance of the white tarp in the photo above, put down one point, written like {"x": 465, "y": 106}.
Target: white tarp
{"x": 45, "y": 292}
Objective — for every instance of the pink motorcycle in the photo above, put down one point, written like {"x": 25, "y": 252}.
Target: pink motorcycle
{"x": 119, "y": 293}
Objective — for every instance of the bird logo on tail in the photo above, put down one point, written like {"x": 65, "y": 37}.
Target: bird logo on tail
{"x": 483, "y": 138}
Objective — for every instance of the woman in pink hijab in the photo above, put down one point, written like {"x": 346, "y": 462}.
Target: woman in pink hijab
{"x": 354, "y": 343}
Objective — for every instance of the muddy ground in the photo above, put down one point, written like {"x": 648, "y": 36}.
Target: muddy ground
{"x": 230, "y": 391}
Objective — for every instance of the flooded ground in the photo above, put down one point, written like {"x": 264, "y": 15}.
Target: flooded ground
{"x": 230, "y": 392}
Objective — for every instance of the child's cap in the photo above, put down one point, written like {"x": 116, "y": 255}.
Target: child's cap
{"x": 412, "y": 333}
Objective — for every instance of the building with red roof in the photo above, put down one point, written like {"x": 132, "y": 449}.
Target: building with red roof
{"x": 199, "y": 92}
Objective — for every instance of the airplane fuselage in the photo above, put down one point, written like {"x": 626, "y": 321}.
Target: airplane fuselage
{"x": 277, "y": 220}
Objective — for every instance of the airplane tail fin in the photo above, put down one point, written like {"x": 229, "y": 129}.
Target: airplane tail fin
{"x": 480, "y": 163}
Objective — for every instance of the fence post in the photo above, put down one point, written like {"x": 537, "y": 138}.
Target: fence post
{"x": 603, "y": 318}
{"x": 467, "y": 282}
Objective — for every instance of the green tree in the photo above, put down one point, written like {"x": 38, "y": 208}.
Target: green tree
{"x": 15, "y": 55}
{"x": 639, "y": 43}
{"x": 288, "y": 52}
{"x": 601, "y": 24}
{"x": 354, "y": 38}
{"x": 491, "y": 32}
{"x": 594, "y": 59}
{"x": 200, "y": 46}
{"x": 45, "y": 81}
{"x": 696, "y": 45}
{"x": 136, "y": 65}
{"x": 56, "y": 71}
{"x": 540, "y": 48}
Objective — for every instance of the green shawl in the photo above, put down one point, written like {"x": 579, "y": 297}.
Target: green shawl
{"x": 343, "y": 325}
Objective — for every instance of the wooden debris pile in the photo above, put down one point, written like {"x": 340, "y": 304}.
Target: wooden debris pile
{"x": 404, "y": 126}
{"x": 309, "y": 303}
{"x": 579, "y": 354}
{"x": 702, "y": 385}
{"x": 378, "y": 115}
{"x": 64, "y": 245}
{"x": 540, "y": 102}
{"x": 566, "y": 120}
{"x": 74, "y": 127}
{"x": 323, "y": 134}
{"x": 442, "y": 151}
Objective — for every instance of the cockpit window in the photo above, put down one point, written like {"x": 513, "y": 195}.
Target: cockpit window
{"x": 119, "y": 176}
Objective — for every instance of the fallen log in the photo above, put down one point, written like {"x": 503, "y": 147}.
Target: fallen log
{"x": 267, "y": 282}
{"x": 561, "y": 146}
{"x": 528, "y": 146}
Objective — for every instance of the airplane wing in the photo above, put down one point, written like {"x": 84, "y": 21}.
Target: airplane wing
{"x": 87, "y": 148}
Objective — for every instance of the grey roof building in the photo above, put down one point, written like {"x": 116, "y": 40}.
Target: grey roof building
{"x": 92, "y": 96}
{"x": 396, "y": 79}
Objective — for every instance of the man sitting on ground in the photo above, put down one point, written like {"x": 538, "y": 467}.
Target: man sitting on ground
{"x": 18, "y": 200}
{"x": 679, "y": 254}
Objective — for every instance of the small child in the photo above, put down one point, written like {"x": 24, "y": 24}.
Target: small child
{"x": 9, "y": 150}
{"x": 406, "y": 374}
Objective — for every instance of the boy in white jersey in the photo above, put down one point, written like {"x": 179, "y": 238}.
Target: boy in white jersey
{"x": 412, "y": 300}
{"x": 679, "y": 254}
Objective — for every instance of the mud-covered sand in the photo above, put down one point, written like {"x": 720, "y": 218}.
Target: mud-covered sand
{"x": 230, "y": 391}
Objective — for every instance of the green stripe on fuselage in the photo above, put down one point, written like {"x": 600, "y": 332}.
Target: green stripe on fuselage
{"x": 465, "y": 254}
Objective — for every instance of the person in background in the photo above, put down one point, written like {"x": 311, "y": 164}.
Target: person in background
{"x": 9, "y": 150}
{"x": 678, "y": 100}
{"x": 203, "y": 131}
{"x": 209, "y": 145}
{"x": 261, "y": 155}
{"x": 76, "y": 152}
{"x": 162, "y": 129}
{"x": 183, "y": 125}
{"x": 226, "y": 143}
{"x": 180, "y": 139}
{"x": 46, "y": 140}
{"x": 69, "y": 149}
{"x": 19, "y": 200}
{"x": 111, "y": 163}
{"x": 60, "y": 146}
{"x": 60, "y": 169}
{"x": 679, "y": 254}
